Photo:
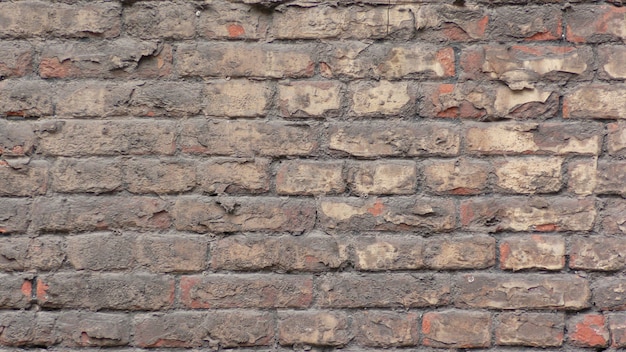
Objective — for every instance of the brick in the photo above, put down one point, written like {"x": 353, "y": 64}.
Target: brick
{"x": 246, "y": 291}
{"x": 312, "y": 252}
{"x": 93, "y": 329}
{"x": 82, "y": 138}
{"x": 190, "y": 329}
{"x": 588, "y": 330}
{"x": 386, "y": 329}
{"x": 394, "y": 139}
{"x": 21, "y": 98}
{"x": 171, "y": 253}
{"x": 105, "y": 291}
{"x": 529, "y": 175}
{"x": 460, "y": 176}
{"x": 616, "y": 139}
{"x": 600, "y": 253}
{"x": 530, "y": 329}
{"x": 532, "y": 291}
{"x": 70, "y": 175}
{"x": 525, "y": 138}
{"x": 227, "y": 214}
{"x": 85, "y": 213}
{"x": 460, "y": 252}
{"x": 309, "y": 99}
{"x": 613, "y": 217}
{"x": 93, "y": 99}
{"x": 388, "y": 61}
{"x": 595, "y": 23}
{"x": 522, "y": 66}
{"x": 383, "y": 291}
{"x": 309, "y": 178}
{"x": 262, "y": 138}
{"x": 16, "y": 138}
{"x": 121, "y": 58}
{"x": 382, "y": 177}
{"x": 317, "y": 328}
{"x": 528, "y": 214}
{"x": 456, "y": 329}
{"x": 237, "y": 98}
{"x": 15, "y": 291}
{"x": 27, "y": 328}
{"x": 28, "y": 19}
{"x": 155, "y": 20}
{"x": 100, "y": 251}
{"x": 25, "y": 254}
{"x": 14, "y": 215}
{"x": 23, "y": 179}
{"x": 617, "y": 328}
{"x": 381, "y": 98}
{"x": 170, "y": 99}
{"x": 532, "y": 252}
{"x": 228, "y": 175}
{"x": 245, "y": 60}
{"x": 447, "y": 22}
{"x": 16, "y": 59}
{"x": 393, "y": 252}
{"x": 159, "y": 176}
{"x": 225, "y": 20}
{"x": 386, "y": 214}
{"x": 596, "y": 101}
{"x": 611, "y": 61}
{"x": 582, "y": 176}
{"x": 608, "y": 294}
{"x": 536, "y": 23}
{"x": 358, "y": 22}
{"x": 599, "y": 177}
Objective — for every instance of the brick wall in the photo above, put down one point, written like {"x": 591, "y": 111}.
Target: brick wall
{"x": 264, "y": 176}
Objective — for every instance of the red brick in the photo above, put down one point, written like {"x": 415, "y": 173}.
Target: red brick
{"x": 393, "y": 252}
{"x": 156, "y": 20}
{"x": 26, "y": 254}
{"x": 617, "y": 328}
{"x": 456, "y": 329}
{"x": 386, "y": 329}
{"x": 16, "y": 59}
{"x": 588, "y": 330}
{"x": 383, "y": 291}
{"x": 460, "y": 252}
{"x": 600, "y": 253}
{"x": 15, "y": 291}
{"x": 460, "y": 176}
{"x": 237, "y": 176}
{"x": 595, "y": 23}
{"x": 532, "y": 252}
{"x": 227, "y": 20}
{"x": 27, "y": 179}
{"x": 530, "y": 329}
{"x": 246, "y": 291}
{"x": 14, "y": 215}
{"x": 309, "y": 178}
{"x": 317, "y": 328}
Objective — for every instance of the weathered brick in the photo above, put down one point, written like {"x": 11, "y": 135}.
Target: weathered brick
{"x": 262, "y": 138}
{"x": 529, "y": 175}
{"x": 437, "y": 22}
{"x": 21, "y": 98}
{"x": 100, "y": 251}
{"x": 190, "y": 329}
{"x": 168, "y": 253}
{"x": 227, "y": 20}
{"x": 611, "y": 62}
{"x": 616, "y": 139}
{"x": 588, "y": 330}
{"x": 530, "y": 329}
{"x": 159, "y": 176}
{"x": 387, "y": 61}
{"x": 309, "y": 178}
{"x": 27, "y": 179}
{"x": 14, "y": 215}
{"x": 16, "y": 59}
{"x": 15, "y": 291}
{"x": 539, "y": 22}
{"x": 394, "y": 139}
{"x": 609, "y": 294}
{"x": 393, "y": 252}
{"x": 227, "y": 175}
{"x": 595, "y": 23}
{"x": 596, "y": 101}
{"x": 456, "y": 329}
{"x": 105, "y": 291}
{"x": 528, "y": 214}
{"x": 312, "y": 252}
{"x": 532, "y": 252}
{"x": 460, "y": 176}
{"x": 309, "y": 98}
{"x": 386, "y": 214}
{"x": 597, "y": 253}
{"x": 79, "y": 138}
{"x": 582, "y": 176}
{"x": 171, "y": 99}
{"x": 93, "y": 329}
{"x": 382, "y": 177}
{"x": 460, "y": 252}
{"x": 157, "y": 19}
{"x": 121, "y": 58}
{"x": 613, "y": 217}
{"x": 326, "y": 21}
{"x": 227, "y": 214}
{"x": 25, "y": 254}
{"x": 85, "y": 213}
{"x": 93, "y": 99}
{"x": 26, "y": 19}
{"x": 246, "y": 291}
{"x": 386, "y": 329}
{"x": 381, "y": 98}
{"x": 237, "y": 98}
{"x": 70, "y": 175}
{"x": 27, "y": 328}
{"x": 602, "y": 177}
{"x": 245, "y": 60}
{"x": 617, "y": 328}
{"x": 17, "y": 138}
{"x": 317, "y": 328}
{"x": 532, "y": 291}
{"x": 525, "y": 138}
{"x": 383, "y": 291}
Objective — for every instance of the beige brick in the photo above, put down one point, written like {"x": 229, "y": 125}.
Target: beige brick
{"x": 456, "y": 328}
{"x": 28, "y": 179}
{"x": 462, "y": 176}
{"x": 310, "y": 178}
{"x": 71, "y": 175}
{"x": 159, "y": 176}
{"x": 309, "y": 99}
{"x": 616, "y": 138}
{"x": 320, "y": 328}
{"x": 597, "y": 101}
{"x": 460, "y": 252}
{"x": 530, "y": 329}
{"x": 227, "y": 175}
{"x": 382, "y": 177}
{"x": 612, "y": 60}
{"x": 148, "y": 20}
{"x": 582, "y": 177}
{"x": 532, "y": 252}
{"x": 601, "y": 253}
{"x": 237, "y": 98}
{"x": 386, "y": 329}
{"x": 529, "y": 175}
{"x": 381, "y": 98}
{"x": 227, "y": 20}
{"x": 377, "y": 253}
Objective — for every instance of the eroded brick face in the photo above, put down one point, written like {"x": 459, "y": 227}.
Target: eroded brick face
{"x": 311, "y": 175}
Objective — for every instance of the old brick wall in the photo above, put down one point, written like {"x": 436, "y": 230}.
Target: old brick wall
{"x": 268, "y": 176}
